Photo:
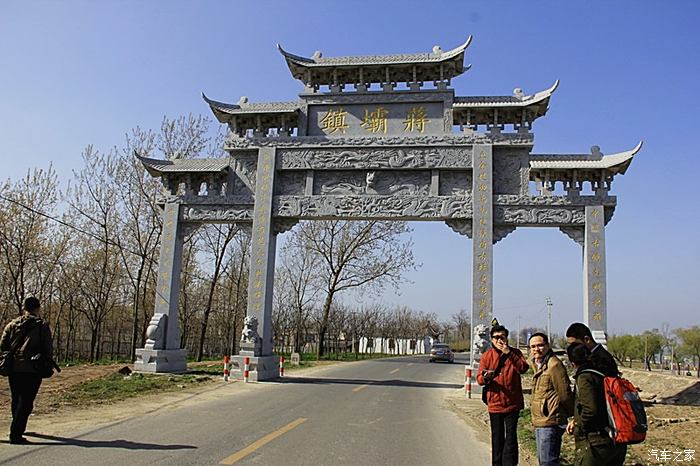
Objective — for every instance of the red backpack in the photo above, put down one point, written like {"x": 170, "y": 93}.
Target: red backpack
{"x": 628, "y": 421}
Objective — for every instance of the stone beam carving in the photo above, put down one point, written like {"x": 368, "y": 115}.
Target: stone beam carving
{"x": 463, "y": 227}
{"x": 216, "y": 214}
{"x": 403, "y": 183}
{"x": 206, "y": 200}
{"x": 373, "y": 207}
{"x": 529, "y": 215}
{"x": 464, "y": 139}
{"x": 514, "y": 200}
{"x": 575, "y": 233}
{"x": 405, "y": 158}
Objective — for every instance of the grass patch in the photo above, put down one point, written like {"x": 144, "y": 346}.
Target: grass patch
{"x": 526, "y": 433}
{"x": 117, "y": 387}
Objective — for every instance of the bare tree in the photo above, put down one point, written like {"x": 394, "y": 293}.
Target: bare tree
{"x": 298, "y": 284}
{"x": 355, "y": 254}
{"x": 29, "y": 255}
{"x": 215, "y": 238}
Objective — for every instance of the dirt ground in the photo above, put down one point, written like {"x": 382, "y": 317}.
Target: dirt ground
{"x": 672, "y": 407}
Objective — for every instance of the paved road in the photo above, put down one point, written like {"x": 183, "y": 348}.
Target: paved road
{"x": 380, "y": 412}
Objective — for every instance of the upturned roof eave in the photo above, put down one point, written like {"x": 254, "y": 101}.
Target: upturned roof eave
{"x": 540, "y": 99}
{"x": 352, "y": 62}
{"x": 224, "y": 111}
{"x": 158, "y": 167}
{"x": 619, "y": 162}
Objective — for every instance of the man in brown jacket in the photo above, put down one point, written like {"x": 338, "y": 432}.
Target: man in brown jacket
{"x": 32, "y": 337}
{"x": 552, "y": 400}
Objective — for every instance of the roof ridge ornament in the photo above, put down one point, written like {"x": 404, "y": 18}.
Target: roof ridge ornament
{"x": 596, "y": 153}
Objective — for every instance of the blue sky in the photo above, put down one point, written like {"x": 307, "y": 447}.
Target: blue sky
{"x": 82, "y": 72}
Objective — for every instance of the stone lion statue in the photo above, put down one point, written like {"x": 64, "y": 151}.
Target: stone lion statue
{"x": 250, "y": 330}
{"x": 481, "y": 338}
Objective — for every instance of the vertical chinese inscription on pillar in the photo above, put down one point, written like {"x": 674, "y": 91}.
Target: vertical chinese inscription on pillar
{"x": 594, "y": 289}
{"x": 263, "y": 248}
{"x": 169, "y": 266}
{"x": 482, "y": 244}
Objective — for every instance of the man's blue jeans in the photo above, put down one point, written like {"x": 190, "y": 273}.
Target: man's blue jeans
{"x": 549, "y": 444}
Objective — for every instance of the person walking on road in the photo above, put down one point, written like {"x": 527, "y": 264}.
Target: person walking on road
{"x": 552, "y": 401}
{"x": 32, "y": 337}
{"x": 590, "y": 425}
{"x": 499, "y": 374}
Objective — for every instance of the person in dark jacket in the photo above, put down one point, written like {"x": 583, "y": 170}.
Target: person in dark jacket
{"x": 590, "y": 425}
{"x": 601, "y": 359}
{"x": 499, "y": 374}
{"x": 25, "y": 378}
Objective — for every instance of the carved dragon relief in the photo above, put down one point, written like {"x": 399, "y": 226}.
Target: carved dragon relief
{"x": 527, "y": 200}
{"x": 356, "y": 207}
{"x": 325, "y": 159}
{"x": 538, "y": 215}
{"x": 374, "y": 182}
{"x": 216, "y": 213}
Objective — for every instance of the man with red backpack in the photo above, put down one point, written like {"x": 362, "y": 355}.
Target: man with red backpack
{"x": 590, "y": 426}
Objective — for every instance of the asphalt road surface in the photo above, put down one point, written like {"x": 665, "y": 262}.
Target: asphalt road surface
{"x": 379, "y": 412}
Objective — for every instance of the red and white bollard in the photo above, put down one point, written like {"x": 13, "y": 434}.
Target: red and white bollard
{"x": 246, "y": 368}
{"x": 468, "y": 381}
{"x": 226, "y": 368}
{"x": 281, "y": 366}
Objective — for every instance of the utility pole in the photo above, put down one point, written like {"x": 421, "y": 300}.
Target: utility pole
{"x": 548, "y": 301}
{"x": 517, "y": 336}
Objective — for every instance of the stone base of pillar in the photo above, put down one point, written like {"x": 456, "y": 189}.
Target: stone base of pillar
{"x": 260, "y": 367}
{"x": 150, "y": 360}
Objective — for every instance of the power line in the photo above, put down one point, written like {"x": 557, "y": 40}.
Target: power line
{"x": 87, "y": 233}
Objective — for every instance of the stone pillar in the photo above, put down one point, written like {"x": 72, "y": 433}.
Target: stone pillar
{"x": 257, "y": 344}
{"x": 595, "y": 307}
{"x": 482, "y": 251}
{"x": 162, "y": 352}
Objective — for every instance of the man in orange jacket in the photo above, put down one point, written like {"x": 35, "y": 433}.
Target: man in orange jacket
{"x": 499, "y": 374}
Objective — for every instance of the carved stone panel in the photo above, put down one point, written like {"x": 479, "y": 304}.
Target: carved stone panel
{"x": 510, "y": 172}
{"x": 462, "y": 139}
{"x": 291, "y": 183}
{"x": 216, "y": 213}
{"x": 373, "y": 207}
{"x": 324, "y": 158}
{"x": 529, "y": 215}
{"x": 244, "y": 166}
{"x": 382, "y": 182}
{"x": 455, "y": 183}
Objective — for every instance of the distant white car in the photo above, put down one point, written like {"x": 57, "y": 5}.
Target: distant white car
{"x": 441, "y": 352}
